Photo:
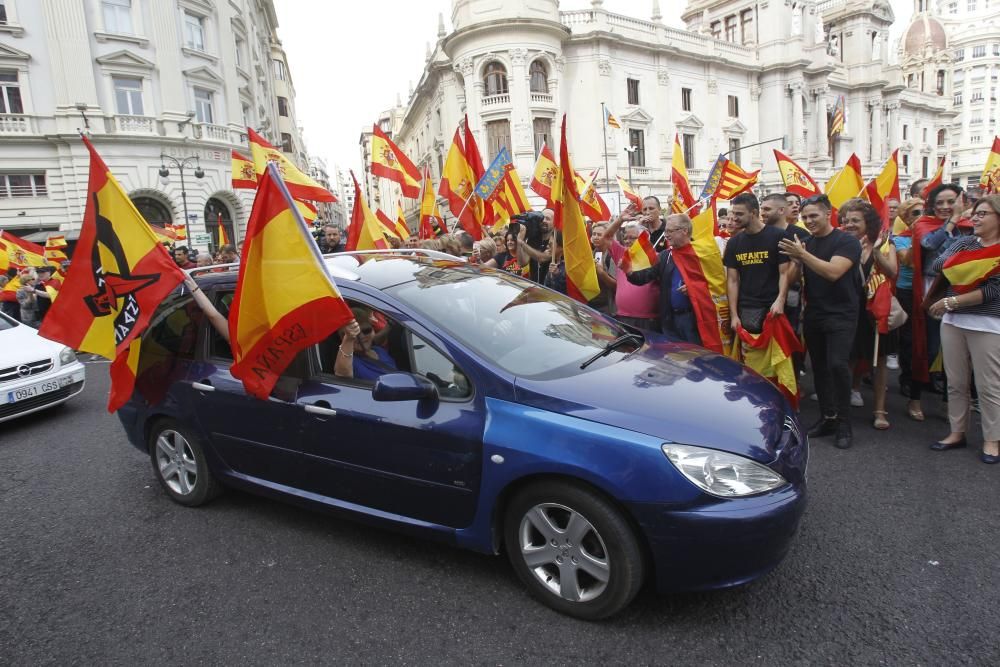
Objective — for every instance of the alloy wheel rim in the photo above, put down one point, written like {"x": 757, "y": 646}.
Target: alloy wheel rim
{"x": 176, "y": 462}
{"x": 564, "y": 552}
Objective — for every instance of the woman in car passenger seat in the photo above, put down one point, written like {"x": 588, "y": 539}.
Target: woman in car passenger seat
{"x": 356, "y": 356}
{"x": 217, "y": 319}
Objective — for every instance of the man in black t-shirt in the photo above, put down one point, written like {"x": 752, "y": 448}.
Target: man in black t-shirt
{"x": 829, "y": 261}
{"x": 774, "y": 213}
{"x": 756, "y": 272}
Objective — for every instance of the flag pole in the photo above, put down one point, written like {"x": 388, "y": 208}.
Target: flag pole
{"x": 604, "y": 129}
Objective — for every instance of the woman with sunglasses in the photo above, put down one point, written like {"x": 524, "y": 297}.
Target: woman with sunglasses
{"x": 357, "y": 357}
{"x": 970, "y": 328}
{"x": 909, "y": 212}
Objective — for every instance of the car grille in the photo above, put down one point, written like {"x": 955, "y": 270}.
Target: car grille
{"x": 40, "y": 401}
{"x": 25, "y": 370}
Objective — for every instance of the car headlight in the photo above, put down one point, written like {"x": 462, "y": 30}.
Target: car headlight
{"x": 720, "y": 473}
{"x": 67, "y": 356}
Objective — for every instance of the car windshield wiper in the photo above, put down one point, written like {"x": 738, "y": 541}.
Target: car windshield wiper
{"x": 612, "y": 346}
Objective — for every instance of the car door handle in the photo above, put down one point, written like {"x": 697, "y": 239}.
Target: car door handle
{"x": 202, "y": 387}
{"x": 320, "y": 410}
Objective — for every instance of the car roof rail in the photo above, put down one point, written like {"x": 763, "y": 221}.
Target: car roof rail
{"x": 335, "y": 271}
{"x": 423, "y": 252}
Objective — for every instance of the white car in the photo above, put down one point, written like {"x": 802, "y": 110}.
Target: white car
{"x": 35, "y": 373}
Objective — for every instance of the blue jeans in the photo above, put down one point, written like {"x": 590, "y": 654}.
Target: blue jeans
{"x": 685, "y": 327}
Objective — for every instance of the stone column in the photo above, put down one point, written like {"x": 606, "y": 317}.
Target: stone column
{"x": 798, "y": 144}
{"x": 473, "y": 90}
{"x": 822, "y": 120}
{"x": 519, "y": 84}
{"x": 877, "y": 148}
{"x": 892, "y": 121}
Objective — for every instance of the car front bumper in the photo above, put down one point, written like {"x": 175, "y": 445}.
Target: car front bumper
{"x": 726, "y": 543}
{"x": 38, "y": 392}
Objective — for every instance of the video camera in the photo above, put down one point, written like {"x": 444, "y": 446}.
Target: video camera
{"x": 532, "y": 221}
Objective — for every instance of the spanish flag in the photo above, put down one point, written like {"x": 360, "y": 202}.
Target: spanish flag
{"x": 54, "y": 250}
{"x": 431, "y": 223}
{"x": 879, "y": 296}
{"x": 846, "y": 184}
{"x": 365, "y": 231}
{"x": 308, "y": 211}
{"x": 244, "y": 175}
{"x": 884, "y": 187}
{"x": 119, "y": 275}
{"x": 388, "y": 161}
{"x": 223, "y": 237}
{"x": 487, "y": 213}
{"x": 457, "y": 184}
{"x": 299, "y": 185}
{"x": 180, "y": 232}
{"x": 990, "y": 180}
{"x": 795, "y": 178}
{"x": 640, "y": 255}
{"x": 544, "y": 175}
{"x": 591, "y": 203}
{"x": 700, "y": 264}
{"x": 839, "y": 118}
{"x": 631, "y": 195}
{"x": 388, "y": 226}
{"x": 581, "y": 273}
{"x": 285, "y": 300}
{"x": 967, "y": 270}
{"x": 402, "y": 229}
{"x": 770, "y": 354}
{"x": 20, "y": 253}
{"x": 936, "y": 181}
{"x": 684, "y": 201}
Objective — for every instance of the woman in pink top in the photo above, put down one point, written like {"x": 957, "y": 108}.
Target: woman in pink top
{"x": 636, "y": 304}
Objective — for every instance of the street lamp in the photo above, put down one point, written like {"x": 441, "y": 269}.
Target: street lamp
{"x": 179, "y": 165}
{"x": 630, "y": 150}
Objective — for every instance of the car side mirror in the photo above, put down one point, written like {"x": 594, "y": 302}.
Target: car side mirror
{"x": 403, "y": 387}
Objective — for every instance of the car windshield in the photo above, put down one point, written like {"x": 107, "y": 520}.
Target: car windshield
{"x": 6, "y": 322}
{"x": 523, "y": 328}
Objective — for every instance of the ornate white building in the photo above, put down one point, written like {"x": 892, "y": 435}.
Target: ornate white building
{"x": 182, "y": 78}
{"x": 740, "y": 73}
{"x": 952, "y": 48}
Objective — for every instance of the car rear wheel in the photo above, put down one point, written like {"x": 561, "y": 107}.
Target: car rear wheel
{"x": 179, "y": 465}
{"x": 573, "y": 549}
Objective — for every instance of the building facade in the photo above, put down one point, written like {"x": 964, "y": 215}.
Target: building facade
{"x": 741, "y": 73}
{"x": 144, "y": 79}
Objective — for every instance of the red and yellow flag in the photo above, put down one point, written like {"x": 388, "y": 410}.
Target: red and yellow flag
{"x": 180, "y": 232}
{"x": 509, "y": 199}
{"x": 545, "y": 174}
{"x": 285, "y": 299}
{"x": 884, "y": 187}
{"x": 990, "y": 180}
{"x": 388, "y": 161}
{"x": 936, "y": 181}
{"x": 223, "y": 236}
{"x": 591, "y": 203}
{"x": 684, "y": 201}
{"x": 631, "y": 195}
{"x": 365, "y": 231}
{"x": 402, "y": 229}
{"x": 488, "y": 215}
{"x": 727, "y": 179}
{"x": 299, "y": 185}
{"x": 770, "y": 354}
{"x": 458, "y": 184}
{"x": 581, "y": 272}
{"x": 54, "y": 250}
{"x": 17, "y": 253}
{"x": 640, "y": 255}
{"x": 969, "y": 269}
{"x": 387, "y": 224}
{"x": 795, "y": 178}
{"x": 119, "y": 275}
{"x": 308, "y": 211}
{"x": 700, "y": 264}
{"x": 244, "y": 174}
{"x": 431, "y": 223}
{"x": 846, "y": 184}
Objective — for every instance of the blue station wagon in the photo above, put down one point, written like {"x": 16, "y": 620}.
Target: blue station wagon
{"x": 505, "y": 417}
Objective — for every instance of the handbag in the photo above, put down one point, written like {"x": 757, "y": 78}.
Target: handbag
{"x": 936, "y": 292}
{"x": 897, "y": 316}
{"x": 752, "y": 317}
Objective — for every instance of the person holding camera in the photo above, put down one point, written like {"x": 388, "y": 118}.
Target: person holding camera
{"x": 636, "y": 304}
{"x": 534, "y": 231}
{"x": 607, "y": 274}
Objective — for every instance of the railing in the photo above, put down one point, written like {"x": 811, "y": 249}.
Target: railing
{"x": 212, "y": 132}
{"x": 11, "y": 123}
{"x": 494, "y": 100}
{"x": 578, "y": 17}
{"x": 541, "y": 98}
{"x": 829, "y": 5}
{"x": 642, "y": 172}
{"x": 631, "y": 23}
{"x": 135, "y": 124}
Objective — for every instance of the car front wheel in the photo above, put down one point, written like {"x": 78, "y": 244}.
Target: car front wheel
{"x": 179, "y": 465}
{"x": 573, "y": 549}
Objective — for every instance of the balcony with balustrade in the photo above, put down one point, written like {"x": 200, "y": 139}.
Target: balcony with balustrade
{"x": 500, "y": 100}
{"x": 16, "y": 124}
{"x": 209, "y": 132}
{"x": 125, "y": 124}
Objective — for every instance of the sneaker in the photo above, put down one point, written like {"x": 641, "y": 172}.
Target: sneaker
{"x": 825, "y": 426}
{"x": 845, "y": 438}
{"x": 892, "y": 362}
{"x": 814, "y": 396}
{"x": 856, "y": 400}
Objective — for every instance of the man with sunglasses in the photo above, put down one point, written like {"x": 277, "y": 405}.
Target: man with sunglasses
{"x": 829, "y": 260}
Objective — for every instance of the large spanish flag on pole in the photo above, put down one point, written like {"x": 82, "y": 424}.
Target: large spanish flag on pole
{"x": 457, "y": 184}
{"x": 119, "y": 275}
{"x": 487, "y": 214}
{"x": 700, "y": 264}
{"x": 846, "y": 184}
{"x": 581, "y": 272}
{"x": 299, "y": 185}
{"x": 884, "y": 187}
{"x": 388, "y": 161}
{"x": 796, "y": 179}
{"x": 285, "y": 300}
{"x": 544, "y": 175}
{"x": 365, "y": 231}
{"x": 244, "y": 174}
{"x": 684, "y": 201}
{"x": 591, "y": 203}
{"x": 431, "y": 223}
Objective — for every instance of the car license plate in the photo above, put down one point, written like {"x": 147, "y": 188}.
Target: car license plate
{"x": 15, "y": 395}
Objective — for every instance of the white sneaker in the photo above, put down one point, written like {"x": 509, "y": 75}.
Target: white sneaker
{"x": 813, "y": 397}
{"x": 892, "y": 362}
{"x": 856, "y": 400}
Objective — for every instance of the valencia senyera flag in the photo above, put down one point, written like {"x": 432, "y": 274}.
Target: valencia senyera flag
{"x": 285, "y": 299}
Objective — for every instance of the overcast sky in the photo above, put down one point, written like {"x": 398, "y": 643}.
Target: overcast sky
{"x": 349, "y": 60}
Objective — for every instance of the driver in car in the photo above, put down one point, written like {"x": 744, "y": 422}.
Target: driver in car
{"x": 357, "y": 357}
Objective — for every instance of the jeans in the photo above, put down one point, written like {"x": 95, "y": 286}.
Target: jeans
{"x": 685, "y": 327}
{"x": 829, "y": 345}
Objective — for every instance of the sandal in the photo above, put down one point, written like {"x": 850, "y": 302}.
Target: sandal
{"x": 916, "y": 414}
{"x": 881, "y": 423}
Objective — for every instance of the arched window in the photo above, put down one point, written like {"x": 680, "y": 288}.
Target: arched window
{"x": 539, "y": 77}
{"x": 153, "y": 210}
{"x": 495, "y": 79}
{"x": 940, "y": 82}
{"x": 940, "y": 138}
{"x": 217, "y": 212}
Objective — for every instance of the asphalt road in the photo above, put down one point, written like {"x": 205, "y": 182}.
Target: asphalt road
{"x": 896, "y": 563}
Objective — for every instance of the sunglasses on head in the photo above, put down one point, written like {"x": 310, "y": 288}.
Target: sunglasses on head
{"x": 367, "y": 330}
{"x": 816, "y": 199}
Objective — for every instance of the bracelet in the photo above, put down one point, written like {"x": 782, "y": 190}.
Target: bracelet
{"x": 346, "y": 355}
{"x": 951, "y": 303}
